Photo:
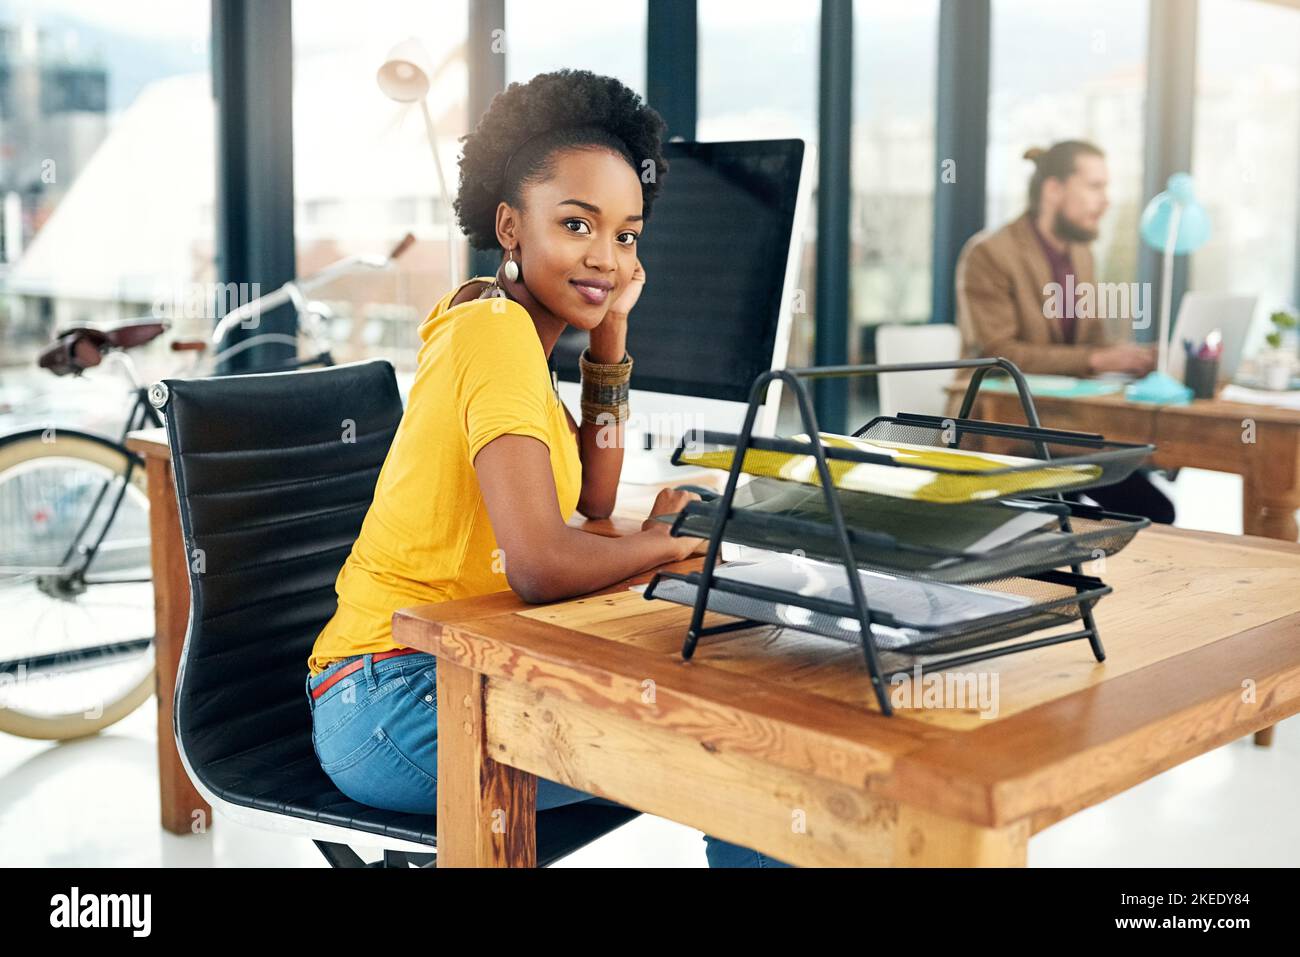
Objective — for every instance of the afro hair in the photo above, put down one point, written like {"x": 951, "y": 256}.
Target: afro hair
{"x": 552, "y": 111}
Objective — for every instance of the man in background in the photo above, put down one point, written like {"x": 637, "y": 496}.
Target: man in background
{"x": 1016, "y": 289}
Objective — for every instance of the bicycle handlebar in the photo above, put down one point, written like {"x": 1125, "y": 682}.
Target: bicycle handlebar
{"x": 292, "y": 290}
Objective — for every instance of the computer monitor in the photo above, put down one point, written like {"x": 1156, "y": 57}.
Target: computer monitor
{"x": 721, "y": 251}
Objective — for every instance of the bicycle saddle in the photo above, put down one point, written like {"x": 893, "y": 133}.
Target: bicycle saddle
{"x": 78, "y": 348}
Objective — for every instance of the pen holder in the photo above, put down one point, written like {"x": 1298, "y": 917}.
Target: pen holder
{"x": 1201, "y": 375}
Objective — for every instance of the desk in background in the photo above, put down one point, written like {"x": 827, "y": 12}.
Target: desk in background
{"x": 1207, "y": 434}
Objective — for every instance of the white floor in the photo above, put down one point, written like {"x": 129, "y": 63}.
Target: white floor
{"x": 95, "y": 802}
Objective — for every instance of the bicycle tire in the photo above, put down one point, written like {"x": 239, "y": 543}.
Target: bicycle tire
{"x": 22, "y": 447}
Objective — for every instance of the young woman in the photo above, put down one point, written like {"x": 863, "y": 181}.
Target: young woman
{"x": 488, "y": 465}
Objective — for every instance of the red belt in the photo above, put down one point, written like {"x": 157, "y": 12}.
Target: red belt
{"x": 328, "y": 682}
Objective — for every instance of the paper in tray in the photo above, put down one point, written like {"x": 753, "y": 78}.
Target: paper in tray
{"x": 918, "y": 621}
{"x": 973, "y": 476}
{"x": 907, "y": 601}
{"x": 787, "y": 616}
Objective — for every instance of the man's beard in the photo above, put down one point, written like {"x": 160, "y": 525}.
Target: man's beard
{"x": 1071, "y": 231}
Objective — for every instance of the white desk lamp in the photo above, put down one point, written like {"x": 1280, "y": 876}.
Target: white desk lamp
{"x": 405, "y": 77}
{"x": 1173, "y": 222}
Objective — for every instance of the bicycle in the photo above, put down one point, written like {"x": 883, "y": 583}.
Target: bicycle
{"x": 74, "y": 525}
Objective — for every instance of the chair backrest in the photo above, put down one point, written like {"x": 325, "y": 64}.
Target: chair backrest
{"x": 921, "y": 392}
{"x": 274, "y": 474}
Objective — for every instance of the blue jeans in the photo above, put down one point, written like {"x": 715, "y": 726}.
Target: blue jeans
{"x": 376, "y": 736}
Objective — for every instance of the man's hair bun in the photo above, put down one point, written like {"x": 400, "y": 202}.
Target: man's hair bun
{"x": 1055, "y": 163}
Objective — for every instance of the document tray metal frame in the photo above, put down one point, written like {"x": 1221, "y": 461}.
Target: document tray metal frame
{"x": 982, "y": 635}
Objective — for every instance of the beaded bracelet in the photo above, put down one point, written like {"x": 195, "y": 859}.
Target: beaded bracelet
{"x": 605, "y": 389}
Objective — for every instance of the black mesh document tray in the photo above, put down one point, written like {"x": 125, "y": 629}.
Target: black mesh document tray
{"x": 1055, "y": 598}
{"x": 783, "y": 516}
{"x": 920, "y": 571}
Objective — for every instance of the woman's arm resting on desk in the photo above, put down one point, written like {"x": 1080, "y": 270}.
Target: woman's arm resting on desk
{"x": 546, "y": 559}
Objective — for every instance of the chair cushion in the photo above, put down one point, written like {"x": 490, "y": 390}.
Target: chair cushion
{"x": 282, "y": 775}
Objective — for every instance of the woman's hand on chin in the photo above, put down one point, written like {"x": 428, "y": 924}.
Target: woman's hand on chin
{"x": 619, "y": 309}
{"x": 609, "y": 339}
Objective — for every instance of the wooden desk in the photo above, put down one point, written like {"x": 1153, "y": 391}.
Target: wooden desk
{"x": 773, "y": 739}
{"x": 1207, "y": 434}
{"x": 182, "y": 806}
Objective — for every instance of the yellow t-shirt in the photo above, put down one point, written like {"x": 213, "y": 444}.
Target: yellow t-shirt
{"x": 426, "y": 537}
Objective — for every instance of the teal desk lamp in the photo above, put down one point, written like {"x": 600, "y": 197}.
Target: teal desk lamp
{"x": 1173, "y": 222}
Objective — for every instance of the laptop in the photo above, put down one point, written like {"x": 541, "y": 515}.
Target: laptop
{"x": 1200, "y": 314}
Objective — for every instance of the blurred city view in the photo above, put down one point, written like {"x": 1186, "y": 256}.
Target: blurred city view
{"x": 107, "y": 153}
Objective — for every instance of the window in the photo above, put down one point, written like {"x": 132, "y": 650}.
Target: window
{"x": 607, "y": 40}
{"x": 758, "y": 67}
{"x": 364, "y": 175}
{"x": 106, "y": 186}
{"x": 1070, "y": 71}
{"x": 894, "y": 69}
{"x": 758, "y": 72}
{"x": 1246, "y": 149}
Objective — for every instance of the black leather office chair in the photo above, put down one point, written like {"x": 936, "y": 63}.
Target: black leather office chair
{"x": 274, "y": 474}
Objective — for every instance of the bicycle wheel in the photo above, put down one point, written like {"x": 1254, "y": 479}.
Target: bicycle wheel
{"x": 76, "y": 600}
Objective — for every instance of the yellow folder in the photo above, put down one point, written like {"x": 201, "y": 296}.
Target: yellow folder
{"x": 900, "y": 481}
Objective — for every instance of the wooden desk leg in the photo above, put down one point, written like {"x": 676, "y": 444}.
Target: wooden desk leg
{"x": 486, "y": 810}
{"x": 925, "y": 839}
{"x": 1269, "y": 514}
{"x": 1272, "y": 516}
{"x": 183, "y": 810}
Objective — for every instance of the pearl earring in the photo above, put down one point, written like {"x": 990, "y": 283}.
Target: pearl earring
{"x": 511, "y": 267}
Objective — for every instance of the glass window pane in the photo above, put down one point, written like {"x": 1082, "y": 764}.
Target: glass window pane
{"x": 758, "y": 65}
{"x": 1070, "y": 71}
{"x": 106, "y": 184}
{"x": 607, "y": 40}
{"x": 894, "y": 68}
{"x": 364, "y": 174}
{"x": 1246, "y": 154}
{"x": 758, "y": 74}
